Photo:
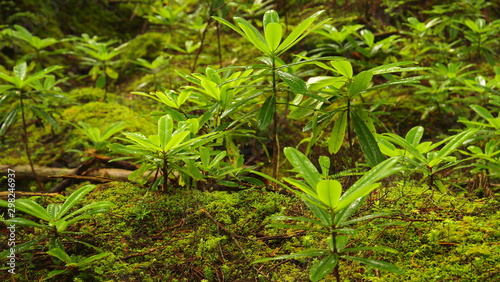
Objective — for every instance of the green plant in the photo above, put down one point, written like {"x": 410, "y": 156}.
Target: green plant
{"x": 482, "y": 37}
{"x": 345, "y": 105}
{"x": 56, "y": 218}
{"x": 100, "y": 140}
{"x": 425, "y": 158}
{"x": 35, "y": 42}
{"x": 100, "y": 56}
{"x": 332, "y": 210}
{"x": 272, "y": 45}
{"x": 73, "y": 263}
{"x": 19, "y": 92}
{"x": 166, "y": 151}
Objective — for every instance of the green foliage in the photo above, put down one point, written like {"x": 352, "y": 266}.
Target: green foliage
{"x": 423, "y": 157}
{"x": 55, "y": 219}
{"x": 332, "y": 211}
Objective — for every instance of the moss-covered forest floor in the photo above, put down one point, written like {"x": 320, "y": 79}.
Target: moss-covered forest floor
{"x": 208, "y": 220}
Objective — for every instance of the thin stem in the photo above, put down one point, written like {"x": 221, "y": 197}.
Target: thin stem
{"x": 25, "y": 141}
{"x": 275, "y": 123}
{"x": 349, "y": 133}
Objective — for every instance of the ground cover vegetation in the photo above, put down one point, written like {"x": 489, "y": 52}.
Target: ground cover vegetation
{"x": 250, "y": 140}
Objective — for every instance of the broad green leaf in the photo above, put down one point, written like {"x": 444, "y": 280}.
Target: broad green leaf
{"x": 341, "y": 218}
{"x": 111, "y": 73}
{"x": 60, "y": 254}
{"x": 92, "y": 208}
{"x": 165, "y": 128}
{"x": 45, "y": 116}
{"x": 271, "y": 16}
{"x": 302, "y": 186}
{"x": 26, "y": 222}
{"x": 403, "y": 143}
{"x": 361, "y": 192}
{"x": 4, "y": 88}
{"x": 101, "y": 82}
{"x": 176, "y": 140}
{"x": 300, "y": 31}
{"x": 303, "y": 166}
{"x": 343, "y": 67}
{"x": 61, "y": 225}
{"x": 9, "y": 120}
{"x": 454, "y": 143}
{"x": 297, "y": 84}
{"x": 253, "y": 35}
{"x": 320, "y": 269}
{"x": 377, "y": 173}
{"x": 377, "y": 264}
{"x": 329, "y": 192}
{"x": 484, "y": 113}
{"x": 211, "y": 88}
{"x": 273, "y": 33}
{"x": 338, "y": 133}
{"x": 144, "y": 143}
{"x": 93, "y": 258}
{"x": 266, "y": 113}
{"x": 74, "y": 199}
{"x": 360, "y": 83}
{"x": 29, "y": 207}
{"x": 302, "y": 254}
{"x": 113, "y": 129}
{"x": 369, "y": 145}
{"x": 414, "y": 135}
{"x": 20, "y": 70}
{"x": 53, "y": 209}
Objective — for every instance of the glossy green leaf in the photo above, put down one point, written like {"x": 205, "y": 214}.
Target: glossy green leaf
{"x": 303, "y": 166}
{"x": 176, "y": 140}
{"x": 270, "y": 16}
{"x": 9, "y": 120}
{"x": 300, "y": 31}
{"x": 329, "y": 192}
{"x": 144, "y": 142}
{"x": 484, "y": 113}
{"x": 343, "y": 67}
{"x": 454, "y": 143}
{"x": 113, "y": 129}
{"x": 361, "y": 192}
{"x": 30, "y": 207}
{"x": 101, "y": 82}
{"x": 377, "y": 264}
{"x": 165, "y": 128}
{"x": 266, "y": 113}
{"x": 111, "y": 73}
{"x": 320, "y": 269}
{"x": 93, "y": 258}
{"x": 369, "y": 145}
{"x": 360, "y": 83}
{"x": 253, "y": 35}
{"x": 74, "y": 199}
{"x": 302, "y": 254}
{"x": 45, "y": 116}
{"x": 92, "y": 208}
{"x": 273, "y": 33}
{"x": 20, "y": 70}
{"x": 60, "y": 254}
{"x": 414, "y": 135}
{"x": 339, "y": 129}
{"x": 297, "y": 84}
{"x": 26, "y": 222}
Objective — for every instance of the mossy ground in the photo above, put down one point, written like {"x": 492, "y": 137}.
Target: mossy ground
{"x": 192, "y": 235}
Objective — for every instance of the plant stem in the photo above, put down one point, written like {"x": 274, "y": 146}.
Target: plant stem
{"x": 275, "y": 124}
{"x": 25, "y": 141}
